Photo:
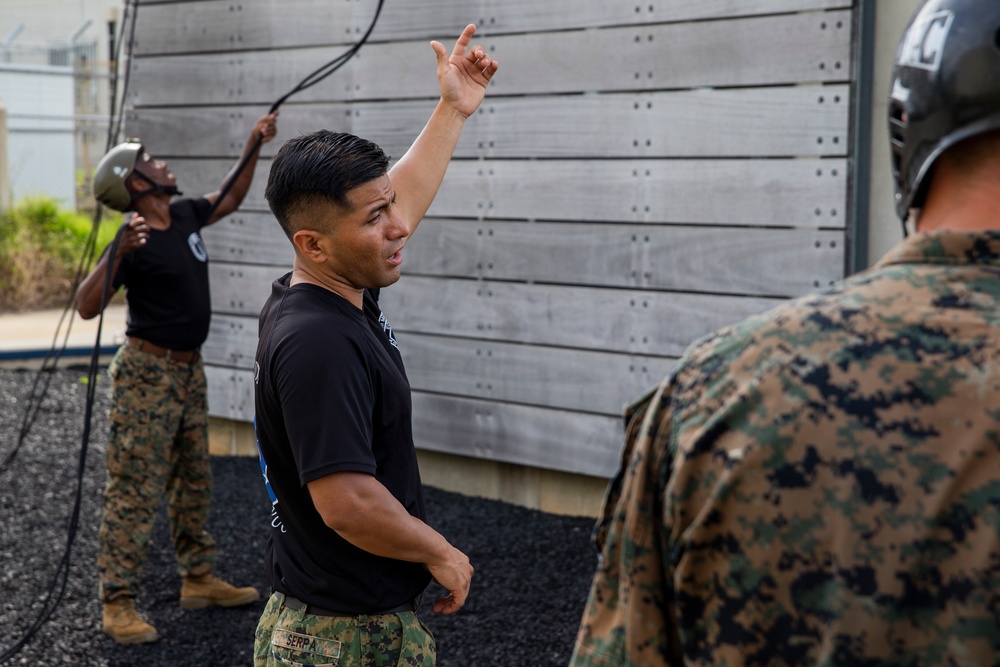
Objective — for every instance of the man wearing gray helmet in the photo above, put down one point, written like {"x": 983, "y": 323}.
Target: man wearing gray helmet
{"x": 820, "y": 484}
{"x": 159, "y": 423}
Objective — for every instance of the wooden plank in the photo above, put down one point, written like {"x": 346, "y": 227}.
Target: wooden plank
{"x": 530, "y": 15}
{"x": 798, "y": 121}
{"x": 655, "y": 57}
{"x": 559, "y": 440}
{"x": 778, "y": 193}
{"x": 606, "y": 320}
{"x": 231, "y": 342}
{"x": 609, "y": 320}
{"x": 240, "y": 289}
{"x": 220, "y": 25}
{"x": 248, "y": 238}
{"x": 579, "y": 380}
{"x": 733, "y": 192}
{"x": 230, "y": 393}
{"x": 740, "y": 52}
{"x": 222, "y": 131}
{"x": 762, "y": 262}
{"x": 254, "y": 77}
{"x": 553, "y": 439}
{"x": 598, "y": 254}
{"x": 611, "y": 255}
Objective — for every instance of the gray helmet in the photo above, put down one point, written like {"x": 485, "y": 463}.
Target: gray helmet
{"x": 945, "y": 88}
{"x": 112, "y": 170}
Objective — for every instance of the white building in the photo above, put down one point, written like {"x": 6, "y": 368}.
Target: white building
{"x": 41, "y": 151}
{"x": 56, "y": 65}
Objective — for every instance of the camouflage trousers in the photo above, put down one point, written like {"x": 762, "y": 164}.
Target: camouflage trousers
{"x": 158, "y": 446}
{"x": 287, "y": 636}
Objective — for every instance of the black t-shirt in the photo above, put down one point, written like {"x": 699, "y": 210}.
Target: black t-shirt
{"x": 166, "y": 281}
{"x": 331, "y": 396}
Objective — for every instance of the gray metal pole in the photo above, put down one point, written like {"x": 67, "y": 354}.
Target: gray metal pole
{"x": 4, "y": 177}
{"x": 860, "y": 184}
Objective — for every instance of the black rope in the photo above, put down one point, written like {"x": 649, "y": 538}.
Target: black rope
{"x": 326, "y": 70}
{"x": 309, "y": 81}
{"x": 55, "y": 352}
{"x": 40, "y": 384}
{"x": 57, "y": 587}
{"x": 60, "y": 579}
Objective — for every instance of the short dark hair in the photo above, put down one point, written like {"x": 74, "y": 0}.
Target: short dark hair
{"x": 321, "y": 167}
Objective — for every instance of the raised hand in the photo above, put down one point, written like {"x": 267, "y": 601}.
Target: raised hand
{"x": 266, "y": 127}
{"x": 464, "y": 75}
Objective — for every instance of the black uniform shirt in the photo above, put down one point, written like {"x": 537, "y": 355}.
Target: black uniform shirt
{"x": 332, "y": 396}
{"x": 166, "y": 281}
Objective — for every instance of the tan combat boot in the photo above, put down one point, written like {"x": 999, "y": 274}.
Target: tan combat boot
{"x": 123, "y": 624}
{"x": 206, "y": 590}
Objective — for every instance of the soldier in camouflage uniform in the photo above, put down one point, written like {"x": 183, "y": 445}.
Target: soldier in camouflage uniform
{"x": 820, "y": 484}
{"x": 159, "y": 423}
{"x": 349, "y": 551}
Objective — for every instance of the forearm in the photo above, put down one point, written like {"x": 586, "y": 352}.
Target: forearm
{"x": 417, "y": 175}
{"x": 462, "y": 77}
{"x": 397, "y": 535}
{"x": 239, "y": 180}
{"x": 364, "y": 513}
{"x": 88, "y": 295}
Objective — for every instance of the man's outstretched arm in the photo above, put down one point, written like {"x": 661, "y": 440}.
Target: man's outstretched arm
{"x": 462, "y": 76}
{"x": 264, "y": 129}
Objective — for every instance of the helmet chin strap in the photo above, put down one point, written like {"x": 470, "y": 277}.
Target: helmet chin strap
{"x": 910, "y": 224}
{"x": 169, "y": 190}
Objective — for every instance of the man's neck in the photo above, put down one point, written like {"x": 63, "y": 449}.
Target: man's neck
{"x": 305, "y": 273}
{"x": 155, "y": 209}
{"x": 962, "y": 197}
{"x": 964, "y": 209}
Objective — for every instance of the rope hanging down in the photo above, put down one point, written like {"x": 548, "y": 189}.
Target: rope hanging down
{"x": 55, "y": 352}
{"x": 308, "y": 82}
{"x": 39, "y": 388}
{"x": 36, "y": 395}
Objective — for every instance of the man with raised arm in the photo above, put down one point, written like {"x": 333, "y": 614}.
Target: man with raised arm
{"x": 349, "y": 551}
{"x": 159, "y": 418}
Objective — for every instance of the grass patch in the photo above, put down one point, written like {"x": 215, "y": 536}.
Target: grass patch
{"x": 41, "y": 246}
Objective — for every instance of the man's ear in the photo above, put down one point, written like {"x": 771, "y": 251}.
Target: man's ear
{"x": 132, "y": 183}
{"x": 308, "y": 243}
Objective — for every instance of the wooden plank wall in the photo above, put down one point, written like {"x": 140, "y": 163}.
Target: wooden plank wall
{"x": 640, "y": 174}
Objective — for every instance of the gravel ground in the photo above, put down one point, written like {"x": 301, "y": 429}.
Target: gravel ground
{"x": 532, "y": 569}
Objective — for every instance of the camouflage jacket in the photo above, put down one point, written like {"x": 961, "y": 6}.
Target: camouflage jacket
{"x": 819, "y": 484}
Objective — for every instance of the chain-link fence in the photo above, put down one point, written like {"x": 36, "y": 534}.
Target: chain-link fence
{"x": 58, "y": 99}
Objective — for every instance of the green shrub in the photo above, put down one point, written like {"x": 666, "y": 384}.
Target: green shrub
{"x": 41, "y": 246}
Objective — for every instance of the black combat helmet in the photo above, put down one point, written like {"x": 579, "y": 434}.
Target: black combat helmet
{"x": 945, "y": 88}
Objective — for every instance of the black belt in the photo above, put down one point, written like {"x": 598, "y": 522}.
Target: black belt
{"x": 299, "y": 605}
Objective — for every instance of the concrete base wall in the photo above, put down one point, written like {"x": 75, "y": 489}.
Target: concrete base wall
{"x": 546, "y": 490}
{"x": 230, "y": 438}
